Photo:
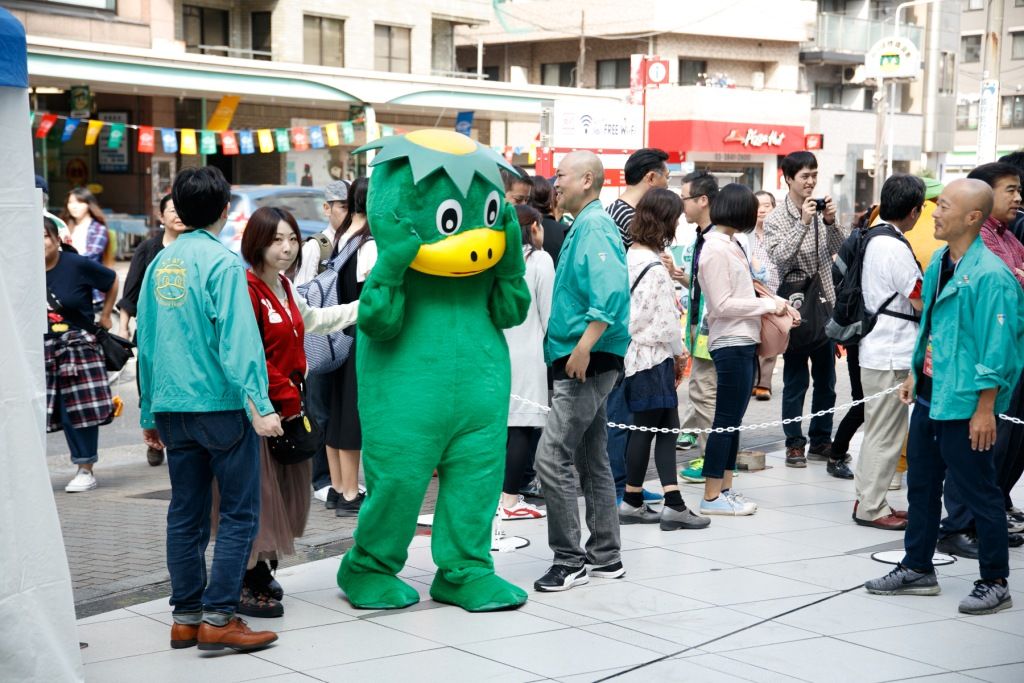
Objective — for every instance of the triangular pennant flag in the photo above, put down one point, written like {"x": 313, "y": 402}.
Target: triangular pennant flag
{"x": 229, "y": 143}
{"x": 300, "y": 138}
{"x": 147, "y": 141}
{"x": 266, "y": 139}
{"x": 188, "y": 141}
{"x": 348, "y": 133}
{"x": 207, "y": 142}
{"x": 245, "y": 144}
{"x": 46, "y": 125}
{"x": 331, "y": 131}
{"x": 70, "y": 126}
{"x": 169, "y": 140}
{"x": 116, "y": 139}
{"x": 281, "y": 139}
{"x": 93, "y": 132}
{"x": 316, "y": 137}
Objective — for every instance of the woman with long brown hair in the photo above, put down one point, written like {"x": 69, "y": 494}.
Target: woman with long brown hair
{"x": 89, "y": 233}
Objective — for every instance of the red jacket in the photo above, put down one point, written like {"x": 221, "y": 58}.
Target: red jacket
{"x": 282, "y": 342}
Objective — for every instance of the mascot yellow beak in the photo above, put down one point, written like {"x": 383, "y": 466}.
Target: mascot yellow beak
{"x": 461, "y": 255}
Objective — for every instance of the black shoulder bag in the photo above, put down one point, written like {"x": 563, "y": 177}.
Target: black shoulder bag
{"x": 116, "y": 350}
{"x": 807, "y": 295}
{"x": 302, "y": 437}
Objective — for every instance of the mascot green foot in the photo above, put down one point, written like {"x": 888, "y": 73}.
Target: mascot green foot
{"x": 489, "y": 593}
{"x": 372, "y": 590}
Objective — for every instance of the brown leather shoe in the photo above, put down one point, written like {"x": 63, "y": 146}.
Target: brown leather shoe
{"x": 235, "y": 634}
{"x": 899, "y": 514}
{"x": 889, "y": 523}
{"x": 762, "y": 394}
{"x": 795, "y": 457}
{"x": 184, "y": 635}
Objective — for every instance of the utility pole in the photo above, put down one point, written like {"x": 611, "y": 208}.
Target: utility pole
{"x": 988, "y": 105}
{"x": 583, "y": 50}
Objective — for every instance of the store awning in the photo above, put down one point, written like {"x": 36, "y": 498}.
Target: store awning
{"x": 152, "y": 79}
{"x": 450, "y": 99}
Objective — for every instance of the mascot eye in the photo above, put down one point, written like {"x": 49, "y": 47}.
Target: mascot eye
{"x": 491, "y": 208}
{"x": 449, "y": 217}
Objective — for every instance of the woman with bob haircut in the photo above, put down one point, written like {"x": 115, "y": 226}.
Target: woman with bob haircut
{"x": 272, "y": 245}
{"x": 734, "y": 318}
{"x": 653, "y": 364}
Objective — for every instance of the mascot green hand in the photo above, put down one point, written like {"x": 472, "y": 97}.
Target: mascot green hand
{"x": 433, "y": 368}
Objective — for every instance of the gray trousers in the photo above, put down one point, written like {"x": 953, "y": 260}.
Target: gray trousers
{"x": 576, "y": 434}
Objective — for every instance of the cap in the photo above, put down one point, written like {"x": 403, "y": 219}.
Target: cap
{"x": 336, "y": 191}
{"x": 932, "y": 188}
{"x": 42, "y": 184}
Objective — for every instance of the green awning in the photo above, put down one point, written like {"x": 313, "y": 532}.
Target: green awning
{"x": 154, "y": 79}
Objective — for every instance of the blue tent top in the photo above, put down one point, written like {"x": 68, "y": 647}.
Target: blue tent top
{"x": 13, "y": 58}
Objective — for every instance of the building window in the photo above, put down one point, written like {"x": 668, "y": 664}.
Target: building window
{"x": 259, "y": 34}
{"x": 442, "y": 46}
{"x": 975, "y": 5}
{"x": 613, "y": 73}
{"x": 827, "y": 95}
{"x": 323, "y": 41}
{"x": 391, "y": 49}
{"x": 1017, "y": 45}
{"x": 1011, "y": 115}
{"x": 562, "y": 74}
{"x": 947, "y": 72}
{"x": 970, "y": 49}
{"x": 205, "y": 30}
{"x": 692, "y": 71}
{"x": 967, "y": 116}
{"x": 869, "y": 98}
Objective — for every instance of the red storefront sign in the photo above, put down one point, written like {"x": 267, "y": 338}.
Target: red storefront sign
{"x": 679, "y": 137}
{"x": 814, "y": 141}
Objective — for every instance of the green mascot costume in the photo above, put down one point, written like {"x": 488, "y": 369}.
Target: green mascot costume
{"x": 433, "y": 368}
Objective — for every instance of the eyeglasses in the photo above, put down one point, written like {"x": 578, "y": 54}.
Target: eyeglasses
{"x": 696, "y": 196}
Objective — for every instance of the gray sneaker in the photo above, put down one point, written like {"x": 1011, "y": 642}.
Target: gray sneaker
{"x": 687, "y": 519}
{"x": 987, "y": 597}
{"x": 904, "y": 581}
{"x": 641, "y": 515}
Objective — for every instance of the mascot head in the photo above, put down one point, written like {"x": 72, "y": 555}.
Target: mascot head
{"x": 449, "y": 189}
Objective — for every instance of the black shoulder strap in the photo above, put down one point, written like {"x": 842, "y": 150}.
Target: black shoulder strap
{"x": 888, "y": 230}
{"x": 642, "y": 273}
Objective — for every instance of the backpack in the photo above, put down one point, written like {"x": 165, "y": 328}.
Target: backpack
{"x": 326, "y": 247}
{"x": 326, "y": 353}
{"x": 851, "y": 321}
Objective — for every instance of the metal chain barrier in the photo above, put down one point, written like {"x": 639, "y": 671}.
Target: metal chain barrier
{"x": 746, "y": 428}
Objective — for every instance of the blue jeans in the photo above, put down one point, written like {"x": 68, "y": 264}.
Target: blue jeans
{"x": 937, "y": 448}
{"x": 736, "y": 367}
{"x": 618, "y": 412}
{"x": 796, "y": 380}
{"x": 201, "y": 446}
{"x": 83, "y": 442}
{"x": 318, "y": 399}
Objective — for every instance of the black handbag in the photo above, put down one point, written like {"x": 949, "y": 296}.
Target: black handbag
{"x": 806, "y": 294}
{"x": 303, "y": 436}
{"x": 116, "y": 350}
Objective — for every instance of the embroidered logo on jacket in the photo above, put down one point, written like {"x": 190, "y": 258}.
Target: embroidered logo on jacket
{"x": 169, "y": 277}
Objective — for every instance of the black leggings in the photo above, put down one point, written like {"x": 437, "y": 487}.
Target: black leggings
{"x": 854, "y": 418}
{"x": 519, "y": 451}
{"x": 638, "y": 449}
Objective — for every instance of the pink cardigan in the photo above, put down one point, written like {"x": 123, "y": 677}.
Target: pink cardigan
{"x": 733, "y": 309}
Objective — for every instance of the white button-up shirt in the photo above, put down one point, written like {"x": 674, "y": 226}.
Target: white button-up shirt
{"x": 889, "y": 267}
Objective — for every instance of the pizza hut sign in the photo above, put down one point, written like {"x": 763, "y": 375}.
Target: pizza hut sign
{"x": 755, "y": 138}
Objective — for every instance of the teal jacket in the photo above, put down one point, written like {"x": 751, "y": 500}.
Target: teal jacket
{"x": 977, "y": 327}
{"x": 591, "y": 283}
{"x": 199, "y": 346}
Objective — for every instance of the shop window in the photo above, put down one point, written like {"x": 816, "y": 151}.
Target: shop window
{"x": 391, "y": 48}
{"x": 205, "y": 30}
{"x": 561, "y": 74}
{"x": 692, "y": 71}
{"x": 1011, "y": 114}
{"x": 612, "y": 73}
{"x": 970, "y": 49}
{"x": 323, "y": 41}
{"x": 967, "y": 116}
{"x": 259, "y": 33}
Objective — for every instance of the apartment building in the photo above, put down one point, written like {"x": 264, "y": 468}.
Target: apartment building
{"x": 382, "y": 67}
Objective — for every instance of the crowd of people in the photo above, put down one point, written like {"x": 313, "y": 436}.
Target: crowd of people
{"x": 616, "y": 326}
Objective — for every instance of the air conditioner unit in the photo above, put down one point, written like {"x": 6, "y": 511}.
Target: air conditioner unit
{"x": 854, "y": 75}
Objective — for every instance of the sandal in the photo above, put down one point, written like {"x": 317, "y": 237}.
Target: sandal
{"x": 260, "y": 605}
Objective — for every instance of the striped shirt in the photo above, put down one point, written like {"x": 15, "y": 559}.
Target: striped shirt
{"x": 622, "y": 214}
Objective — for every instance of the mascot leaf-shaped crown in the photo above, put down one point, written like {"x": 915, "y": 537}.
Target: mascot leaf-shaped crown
{"x": 431, "y": 149}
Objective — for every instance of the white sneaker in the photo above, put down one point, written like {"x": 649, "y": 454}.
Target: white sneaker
{"x": 739, "y": 499}
{"x": 897, "y": 482}
{"x": 321, "y": 494}
{"x": 521, "y": 510}
{"x": 83, "y": 481}
{"x": 726, "y": 505}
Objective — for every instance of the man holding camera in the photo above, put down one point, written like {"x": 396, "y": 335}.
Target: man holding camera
{"x": 802, "y": 236}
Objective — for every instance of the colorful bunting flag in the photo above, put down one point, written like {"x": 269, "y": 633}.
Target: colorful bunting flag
{"x": 266, "y": 139}
{"x": 348, "y": 133}
{"x": 331, "y": 131}
{"x": 245, "y": 144}
{"x": 188, "y": 141}
{"x": 93, "y": 132}
{"x": 300, "y": 139}
{"x": 316, "y": 137}
{"x": 46, "y": 125}
{"x": 169, "y": 140}
{"x": 147, "y": 141}
{"x": 207, "y": 142}
{"x": 116, "y": 138}
{"x": 281, "y": 139}
{"x": 70, "y": 126}
{"x": 229, "y": 143}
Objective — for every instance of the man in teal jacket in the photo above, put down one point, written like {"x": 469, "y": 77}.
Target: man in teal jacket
{"x": 588, "y": 333}
{"x": 201, "y": 364}
{"x": 965, "y": 363}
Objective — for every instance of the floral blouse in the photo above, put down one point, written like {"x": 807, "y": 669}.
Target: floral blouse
{"x": 654, "y": 313}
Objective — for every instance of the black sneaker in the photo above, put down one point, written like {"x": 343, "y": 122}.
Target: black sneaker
{"x": 332, "y": 498}
{"x": 532, "y": 490}
{"x": 795, "y": 457}
{"x": 820, "y": 453}
{"x": 561, "y": 578}
{"x": 838, "y": 469}
{"x": 349, "y": 508}
{"x": 961, "y": 545}
{"x": 614, "y": 570}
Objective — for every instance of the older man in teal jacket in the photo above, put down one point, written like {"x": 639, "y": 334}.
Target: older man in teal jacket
{"x": 201, "y": 364}
{"x": 966, "y": 361}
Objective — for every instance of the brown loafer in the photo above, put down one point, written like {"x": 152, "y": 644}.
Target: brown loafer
{"x": 235, "y": 635}
{"x": 889, "y": 523}
{"x": 184, "y": 635}
{"x": 902, "y": 514}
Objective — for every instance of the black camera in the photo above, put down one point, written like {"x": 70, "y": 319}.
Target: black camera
{"x": 819, "y": 205}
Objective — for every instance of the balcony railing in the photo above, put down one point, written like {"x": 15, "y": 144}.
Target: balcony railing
{"x": 840, "y": 33}
{"x": 227, "y": 51}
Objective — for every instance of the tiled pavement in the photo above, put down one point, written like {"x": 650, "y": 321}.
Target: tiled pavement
{"x": 773, "y": 597}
